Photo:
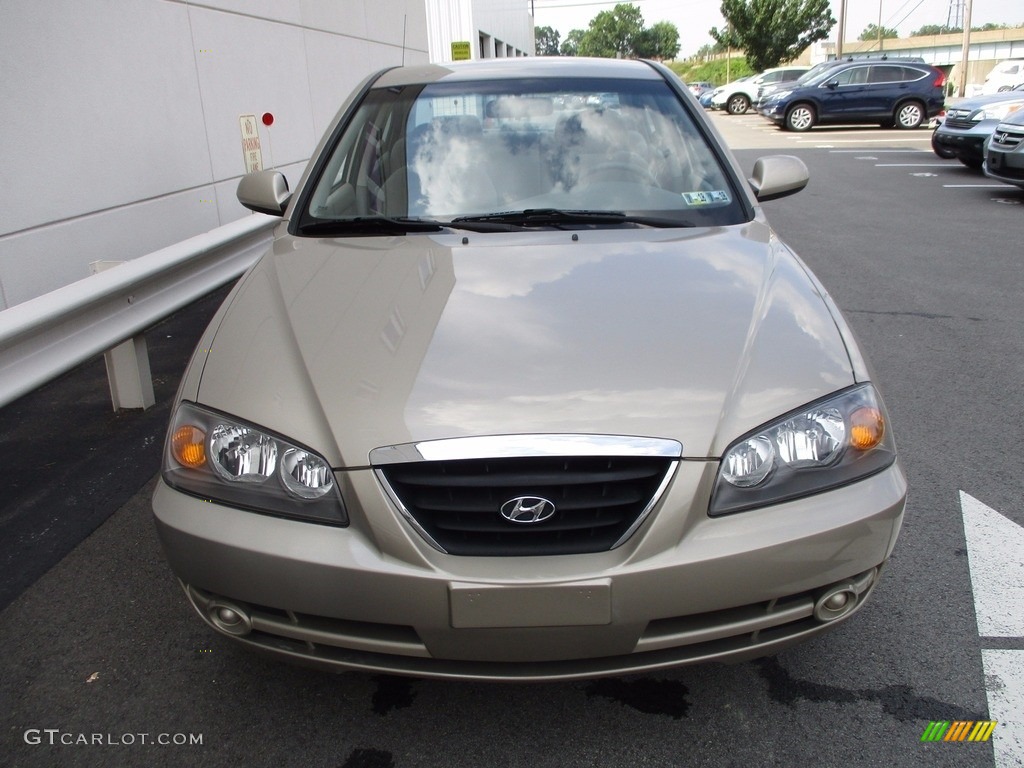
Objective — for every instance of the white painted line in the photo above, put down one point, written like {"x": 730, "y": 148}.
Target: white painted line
{"x": 912, "y": 165}
{"x": 1004, "y": 683}
{"x": 907, "y": 151}
{"x": 975, "y": 186}
{"x": 866, "y": 141}
{"x": 995, "y": 553}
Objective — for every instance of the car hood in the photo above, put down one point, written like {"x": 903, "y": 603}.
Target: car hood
{"x": 695, "y": 335}
{"x": 976, "y": 102}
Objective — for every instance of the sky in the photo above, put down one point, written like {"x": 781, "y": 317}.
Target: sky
{"x": 693, "y": 18}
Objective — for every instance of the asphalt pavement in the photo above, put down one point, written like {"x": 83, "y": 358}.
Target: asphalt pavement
{"x": 70, "y": 461}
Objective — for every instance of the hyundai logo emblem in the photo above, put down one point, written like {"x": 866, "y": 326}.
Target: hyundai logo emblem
{"x": 527, "y": 509}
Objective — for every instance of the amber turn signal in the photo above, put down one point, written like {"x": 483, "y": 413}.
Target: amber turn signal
{"x": 867, "y": 428}
{"x": 187, "y": 445}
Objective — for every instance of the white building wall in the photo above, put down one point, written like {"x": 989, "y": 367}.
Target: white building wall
{"x": 507, "y": 24}
{"x": 119, "y": 129}
{"x": 494, "y": 28}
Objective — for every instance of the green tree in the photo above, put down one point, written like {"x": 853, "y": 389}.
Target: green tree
{"x": 547, "y": 41}
{"x": 935, "y": 29}
{"x": 572, "y": 42}
{"x": 871, "y": 33}
{"x": 614, "y": 33}
{"x": 659, "y": 42}
{"x": 773, "y": 31}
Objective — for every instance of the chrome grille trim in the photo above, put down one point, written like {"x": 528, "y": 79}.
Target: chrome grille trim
{"x": 650, "y": 506}
{"x": 1009, "y": 136}
{"x": 409, "y": 518}
{"x": 525, "y": 446}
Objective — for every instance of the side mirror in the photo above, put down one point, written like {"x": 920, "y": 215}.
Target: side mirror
{"x": 832, "y": 84}
{"x": 264, "y": 192}
{"x": 777, "y": 176}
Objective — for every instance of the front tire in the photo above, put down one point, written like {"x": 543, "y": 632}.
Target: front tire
{"x": 738, "y": 104}
{"x": 909, "y": 115}
{"x": 800, "y": 118}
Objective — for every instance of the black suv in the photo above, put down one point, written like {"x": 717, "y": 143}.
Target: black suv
{"x": 890, "y": 92}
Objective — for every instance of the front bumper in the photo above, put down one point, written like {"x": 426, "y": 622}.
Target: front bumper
{"x": 685, "y": 588}
{"x": 772, "y": 111}
{"x": 966, "y": 143}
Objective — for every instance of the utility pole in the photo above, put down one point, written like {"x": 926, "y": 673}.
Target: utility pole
{"x": 879, "y": 25}
{"x": 967, "y": 46}
{"x": 842, "y": 29}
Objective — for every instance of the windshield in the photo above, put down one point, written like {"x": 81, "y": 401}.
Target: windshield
{"x": 456, "y": 150}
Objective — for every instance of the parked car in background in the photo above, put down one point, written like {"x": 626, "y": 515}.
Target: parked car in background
{"x": 903, "y": 94}
{"x": 778, "y": 80}
{"x": 1005, "y": 76}
{"x": 523, "y": 391}
{"x": 1004, "y": 157}
{"x": 698, "y": 89}
{"x": 970, "y": 122}
{"x": 740, "y": 95}
{"x": 719, "y": 94}
{"x": 764, "y": 91}
{"x": 705, "y": 99}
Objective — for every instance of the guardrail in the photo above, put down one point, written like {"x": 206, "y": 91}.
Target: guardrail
{"x": 49, "y": 335}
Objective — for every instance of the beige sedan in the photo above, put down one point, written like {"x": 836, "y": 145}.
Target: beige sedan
{"x": 526, "y": 388}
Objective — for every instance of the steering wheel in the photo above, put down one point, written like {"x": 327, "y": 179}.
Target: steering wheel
{"x": 618, "y": 170}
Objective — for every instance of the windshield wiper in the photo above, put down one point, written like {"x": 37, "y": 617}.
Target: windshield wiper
{"x": 548, "y": 217}
{"x": 370, "y": 225}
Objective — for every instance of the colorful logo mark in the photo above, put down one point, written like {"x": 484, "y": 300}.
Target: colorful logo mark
{"x": 958, "y": 730}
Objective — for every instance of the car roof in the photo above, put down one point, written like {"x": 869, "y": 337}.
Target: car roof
{"x": 849, "y": 63}
{"x": 518, "y": 68}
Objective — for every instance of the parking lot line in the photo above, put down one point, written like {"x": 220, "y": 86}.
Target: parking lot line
{"x": 908, "y": 151}
{"x": 913, "y": 165}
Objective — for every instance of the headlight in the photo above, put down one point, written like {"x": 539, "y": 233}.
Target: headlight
{"x": 833, "y": 442}
{"x": 995, "y": 111}
{"x": 226, "y": 460}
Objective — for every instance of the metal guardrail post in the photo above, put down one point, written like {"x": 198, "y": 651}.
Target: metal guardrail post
{"x": 128, "y": 372}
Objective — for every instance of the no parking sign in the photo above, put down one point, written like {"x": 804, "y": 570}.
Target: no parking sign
{"x": 251, "y": 149}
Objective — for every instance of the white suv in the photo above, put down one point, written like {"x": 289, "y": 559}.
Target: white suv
{"x": 1004, "y": 76}
{"x": 738, "y": 96}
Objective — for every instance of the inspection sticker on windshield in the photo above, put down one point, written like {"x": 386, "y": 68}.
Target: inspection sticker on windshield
{"x": 706, "y": 198}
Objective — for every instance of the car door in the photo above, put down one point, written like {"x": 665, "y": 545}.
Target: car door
{"x": 887, "y": 84}
{"x": 844, "y": 94}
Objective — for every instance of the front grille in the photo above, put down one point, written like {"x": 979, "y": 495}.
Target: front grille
{"x": 458, "y": 504}
{"x": 959, "y": 119}
{"x": 1007, "y": 137}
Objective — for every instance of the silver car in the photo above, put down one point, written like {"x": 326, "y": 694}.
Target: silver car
{"x": 526, "y": 388}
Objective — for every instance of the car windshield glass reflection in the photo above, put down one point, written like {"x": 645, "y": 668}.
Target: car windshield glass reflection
{"x": 456, "y": 150}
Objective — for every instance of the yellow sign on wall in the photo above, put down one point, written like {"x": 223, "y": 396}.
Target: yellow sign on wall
{"x": 462, "y": 51}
